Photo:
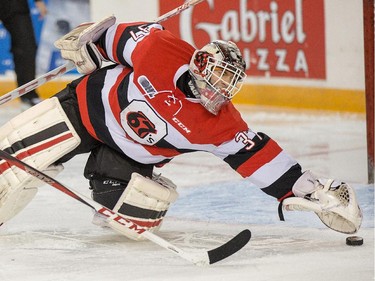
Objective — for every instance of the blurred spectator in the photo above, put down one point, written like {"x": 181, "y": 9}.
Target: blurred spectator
{"x": 16, "y": 18}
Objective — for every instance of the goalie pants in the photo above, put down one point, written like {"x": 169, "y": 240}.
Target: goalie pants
{"x": 107, "y": 170}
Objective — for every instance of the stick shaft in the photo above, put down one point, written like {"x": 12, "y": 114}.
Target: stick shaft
{"x": 178, "y": 10}
{"x": 122, "y": 222}
{"x": 32, "y": 85}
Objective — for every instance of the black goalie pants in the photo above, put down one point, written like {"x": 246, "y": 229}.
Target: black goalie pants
{"x": 107, "y": 170}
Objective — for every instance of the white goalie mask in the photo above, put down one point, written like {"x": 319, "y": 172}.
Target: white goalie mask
{"x": 217, "y": 71}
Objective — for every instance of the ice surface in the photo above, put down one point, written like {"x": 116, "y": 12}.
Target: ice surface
{"x": 53, "y": 238}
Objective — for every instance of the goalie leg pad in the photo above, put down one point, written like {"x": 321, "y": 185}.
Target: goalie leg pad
{"x": 13, "y": 202}
{"x": 39, "y": 136}
{"x": 144, "y": 202}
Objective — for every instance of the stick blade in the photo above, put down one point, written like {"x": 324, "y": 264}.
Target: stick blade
{"x": 229, "y": 248}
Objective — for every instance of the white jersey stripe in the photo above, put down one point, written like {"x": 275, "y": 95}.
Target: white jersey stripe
{"x": 109, "y": 41}
{"x": 271, "y": 171}
{"x": 133, "y": 92}
{"x": 110, "y": 120}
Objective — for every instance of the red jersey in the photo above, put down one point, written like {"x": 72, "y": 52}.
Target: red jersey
{"x": 138, "y": 108}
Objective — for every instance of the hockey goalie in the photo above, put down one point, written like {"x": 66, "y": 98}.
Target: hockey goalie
{"x": 157, "y": 98}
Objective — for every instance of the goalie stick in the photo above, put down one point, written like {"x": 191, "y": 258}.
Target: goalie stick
{"x": 32, "y": 85}
{"x": 198, "y": 258}
{"x": 37, "y": 82}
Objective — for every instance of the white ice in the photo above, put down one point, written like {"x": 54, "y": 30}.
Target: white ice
{"x": 53, "y": 238}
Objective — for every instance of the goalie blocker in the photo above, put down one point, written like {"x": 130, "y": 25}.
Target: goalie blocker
{"x": 77, "y": 46}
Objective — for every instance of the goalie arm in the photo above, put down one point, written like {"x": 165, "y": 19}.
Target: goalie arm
{"x": 259, "y": 159}
{"x": 265, "y": 164}
{"x": 120, "y": 42}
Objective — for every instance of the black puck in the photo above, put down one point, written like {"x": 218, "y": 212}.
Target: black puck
{"x": 354, "y": 241}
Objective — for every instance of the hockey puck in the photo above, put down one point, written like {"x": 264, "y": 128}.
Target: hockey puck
{"x": 354, "y": 241}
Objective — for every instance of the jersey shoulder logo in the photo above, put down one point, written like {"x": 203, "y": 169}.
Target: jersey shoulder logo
{"x": 142, "y": 123}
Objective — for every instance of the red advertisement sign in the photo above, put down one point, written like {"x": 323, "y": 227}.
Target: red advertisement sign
{"x": 278, "y": 38}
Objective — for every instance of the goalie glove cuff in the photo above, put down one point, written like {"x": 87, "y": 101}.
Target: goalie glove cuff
{"x": 306, "y": 184}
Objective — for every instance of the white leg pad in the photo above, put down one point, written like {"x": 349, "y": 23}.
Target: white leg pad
{"x": 144, "y": 202}
{"x": 39, "y": 136}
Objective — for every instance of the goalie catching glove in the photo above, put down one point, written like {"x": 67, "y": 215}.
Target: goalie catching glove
{"x": 78, "y": 45}
{"x": 144, "y": 202}
{"x": 335, "y": 203}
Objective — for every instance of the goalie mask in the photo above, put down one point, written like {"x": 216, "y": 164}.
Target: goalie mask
{"x": 217, "y": 71}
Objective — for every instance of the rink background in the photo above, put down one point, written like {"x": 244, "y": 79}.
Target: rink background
{"x": 53, "y": 238}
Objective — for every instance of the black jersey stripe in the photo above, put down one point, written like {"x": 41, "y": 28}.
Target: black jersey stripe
{"x": 96, "y": 110}
{"x": 165, "y": 144}
{"x": 243, "y": 155}
{"x": 125, "y": 36}
{"x": 284, "y": 184}
{"x": 120, "y": 48}
{"x": 122, "y": 91}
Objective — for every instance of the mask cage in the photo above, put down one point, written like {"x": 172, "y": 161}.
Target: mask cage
{"x": 223, "y": 77}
